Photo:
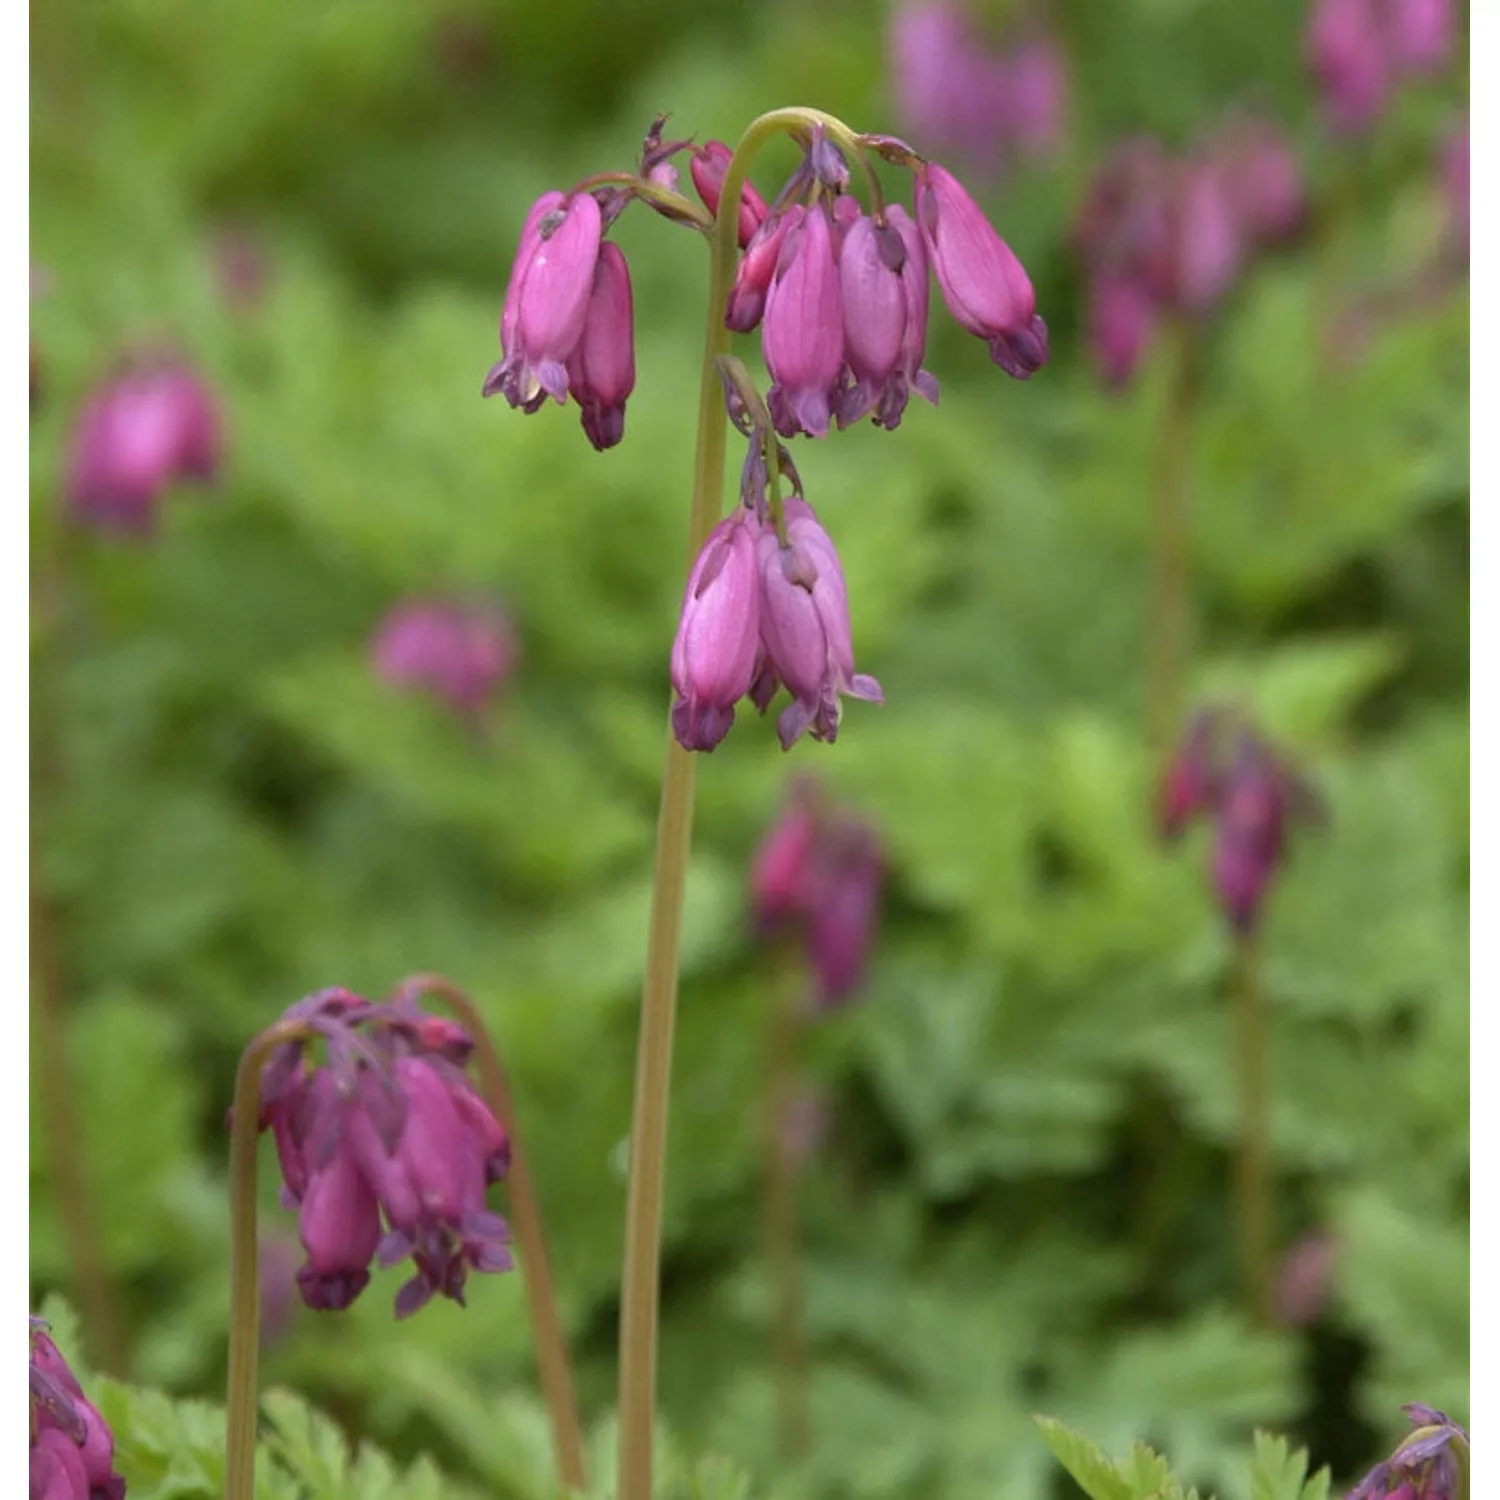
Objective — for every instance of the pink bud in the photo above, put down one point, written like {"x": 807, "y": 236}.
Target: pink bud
{"x": 780, "y": 870}
{"x": 145, "y": 430}
{"x": 752, "y": 281}
{"x": 458, "y": 652}
{"x": 1304, "y": 1279}
{"x": 843, "y": 926}
{"x": 57, "y": 1471}
{"x": 551, "y": 301}
{"x": 874, "y": 313}
{"x": 710, "y": 164}
{"x": 339, "y": 1225}
{"x": 985, "y": 286}
{"x": 1190, "y": 784}
{"x": 802, "y": 339}
{"x": 1348, "y": 54}
{"x": 1264, "y": 180}
{"x": 549, "y": 205}
{"x": 601, "y": 370}
{"x": 1210, "y": 250}
{"x": 714, "y": 653}
{"x": 804, "y": 624}
{"x": 1122, "y": 319}
{"x": 915, "y": 286}
{"x": 1035, "y": 96}
{"x": 1423, "y": 34}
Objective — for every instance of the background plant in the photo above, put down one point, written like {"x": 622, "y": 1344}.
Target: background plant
{"x": 242, "y": 812}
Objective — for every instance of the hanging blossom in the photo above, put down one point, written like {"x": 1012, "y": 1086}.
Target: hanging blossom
{"x": 1166, "y": 236}
{"x": 151, "y": 425}
{"x": 459, "y": 652}
{"x": 386, "y": 1151}
{"x": 1224, "y": 771}
{"x": 817, "y": 878}
{"x": 959, "y": 94}
{"x": 72, "y": 1448}
{"x": 1430, "y": 1463}
{"x": 1361, "y": 50}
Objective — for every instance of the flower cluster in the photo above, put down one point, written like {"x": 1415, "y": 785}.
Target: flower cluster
{"x": 840, "y": 295}
{"x": 72, "y": 1448}
{"x": 460, "y": 653}
{"x": 765, "y": 607}
{"x": 1431, "y": 1463}
{"x": 151, "y": 425}
{"x": 959, "y": 94}
{"x": 817, "y": 876}
{"x": 1227, "y": 772}
{"x": 1360, "y": 50}
{"x": 1161, "y": 235}
{"x": 389, "y": 1125}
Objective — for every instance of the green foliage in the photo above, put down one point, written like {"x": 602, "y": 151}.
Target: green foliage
{"x": 1024, "y": 1201}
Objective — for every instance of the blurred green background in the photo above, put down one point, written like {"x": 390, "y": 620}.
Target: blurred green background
{"x": 1023, "y": 1199}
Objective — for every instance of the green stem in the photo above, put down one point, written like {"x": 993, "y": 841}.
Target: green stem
{"x": 1253, "y": 1171}
{"x": 553, "y": 1365}
{"x": 640, "y": 1283}
{"x": 783, "y": 1229}
{"x": 241, "y": 1400}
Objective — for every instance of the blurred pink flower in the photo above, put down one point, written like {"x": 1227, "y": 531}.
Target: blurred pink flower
{"x": 458, "y": 652}
{"x": 1304, "y": 1278}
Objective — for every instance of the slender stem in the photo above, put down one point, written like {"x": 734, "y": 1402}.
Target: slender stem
{"x": 1170, "y": 583}
{"x": 1253, "y": 1172}
{"x": 551, "y": 1346}
{"x": 783, "y": 1227}
{"x": 242, "y": 1397}
{"x": 640, "y": 1287}
{"x": 676, "y": 205}
{"x": 87, "y": 1274}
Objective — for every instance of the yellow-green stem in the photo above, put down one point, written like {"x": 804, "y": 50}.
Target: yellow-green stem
{"x": 1253, "y": 1167}
{"x": 640, "y": 1284}
{"x": 783, "y": 1226}
{"x": 242, "y": 1397}
{"x": 553, "y": 1365}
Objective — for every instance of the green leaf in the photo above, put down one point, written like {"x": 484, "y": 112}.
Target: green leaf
{"x": 1097, "y": 1475}
{"x": 1279, "y": 1472}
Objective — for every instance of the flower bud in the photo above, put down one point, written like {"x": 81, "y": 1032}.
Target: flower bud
{"x": 710, "y": 165}
{"x": 1122, "y": 319}
{"x": 985, "y": 286}
{"x": 601, "y": 370}
{"x": 714, "y": 653}
{"x": 72, "y": 1447}
{"x": 1423, "y": 35}
{"x": 560, "y": 246}
{"x": 781, "y": 870}
{"x": 1035, "y": 96}
{"x": 339, "y": 1226}
{"x": 1208, "y": 244}
{"x": 802, "y": 339}
{"x": 1190, "y": 784}
{"x": 1430, "y": 1463}
{"x": 1348, "y": 55}
{"x": 842, "y": 930}
{"x": 874, "y": 300}
{"x": 459, "y": 653}
{"x": 149, "y": 428}
{"x": 804, "y": 626}
{"x": 752, "y": 281}
{"x": 1264, "y": 180}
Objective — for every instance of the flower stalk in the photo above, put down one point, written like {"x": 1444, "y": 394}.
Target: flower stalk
{"x": 1252, "y": 1168}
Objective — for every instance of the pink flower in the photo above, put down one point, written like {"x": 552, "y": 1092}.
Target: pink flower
{"x": 1122, "y": 320}
{"x": 601, "y": 369}
{"x": 1210, "y": 250}
{"x": 802, "y": 339}
{"x": 460, "y": 653}
{"x": 1423, "y": 35}
{"x": 1348, "y": 53}
{"x": 752, "y": 280}
{"x": 714, "y": 653}
{"x": 72, "y": 1448}
{"x": 1036, "y": 96}
{"x": 152, "y": 426}
{"x": 804, "y": 627}
{"x": 875, "y": 312}
{"x": 710, "y": 165}
{"x": 985, "y": 286}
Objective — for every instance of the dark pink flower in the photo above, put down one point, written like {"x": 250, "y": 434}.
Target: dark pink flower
{"x": 72, "y": 1447}
{"x": 1426, "y": 1464}
{"x": 601, "y": 369}
{"x": 1122, "y": 321}
{"x": 752, "y": 280}
{"x": 1209, "y": 244}
{"x": 1264, "y": 180}
{"x": 804, "y": 627}
{"x": 152, "y": 426}
{"x": 460, "y": 653}
{"x": 802, "y": 338}
{"x": 1423, "y": 35}
{"x": 1304, "y": 1278}
{"x": 710, "y": 164}
{"x": 714, "y": 653}
{"x": 985, "y": 286}
{"x": 875, "y": 312}
{"x": 1348, "y": 53}
{"x": 1190, "y": 784}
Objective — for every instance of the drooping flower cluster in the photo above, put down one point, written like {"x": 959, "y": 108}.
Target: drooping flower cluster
{"x": 386, "y": 1150}
{"x": 765, "y": 607}
{"x": 958, "y": 94}
{"x": 1361, "y": 50}
{"x": 459, "y": 652}
{"x": 72, "y": 1448}
{"x": 1223, "y": 770}
{"x": 817, "y": 877}
{"x": 1430, "y": 1463}
{"x": 151, "y": 425}
{"x": 1166, "y": 236}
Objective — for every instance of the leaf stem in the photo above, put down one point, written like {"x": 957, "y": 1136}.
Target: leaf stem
{"x": 553, "y": 1365}
{"x": 640, "y": 1283}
